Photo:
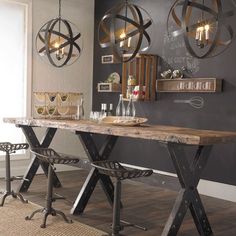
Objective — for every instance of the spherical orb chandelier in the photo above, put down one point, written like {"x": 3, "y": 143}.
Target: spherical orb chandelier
{"x": 202, "y": 24}
{"x": 124, "y": 29}
{"x": 59, "y": 41}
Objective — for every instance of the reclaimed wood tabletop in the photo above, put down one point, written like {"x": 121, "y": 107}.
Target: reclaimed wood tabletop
{"x": 161, "y": 133}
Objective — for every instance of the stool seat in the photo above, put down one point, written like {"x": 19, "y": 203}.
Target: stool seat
{"x": 119, "y": 172}
{"x": 116, "y": 170}
{"x": 51, "y": 157}
{"x": 10, "y": 148}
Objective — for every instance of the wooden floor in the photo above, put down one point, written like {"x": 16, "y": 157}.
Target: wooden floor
{"x": 143, "y": 204}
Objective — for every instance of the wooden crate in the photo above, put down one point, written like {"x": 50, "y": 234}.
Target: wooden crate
{"x": 144, "y": 69}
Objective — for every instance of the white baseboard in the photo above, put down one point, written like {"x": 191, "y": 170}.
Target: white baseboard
{"x": 217, "y": 190}
{"x": 206, "y": 187}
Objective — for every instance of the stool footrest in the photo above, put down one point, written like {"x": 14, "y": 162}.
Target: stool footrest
{"x": 58, "y": 198}
{"x": 18, "y": 178}
{"x": 128, "y": 224}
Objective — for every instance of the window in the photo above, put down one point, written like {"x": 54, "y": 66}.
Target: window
{"x": 15, "y": 64}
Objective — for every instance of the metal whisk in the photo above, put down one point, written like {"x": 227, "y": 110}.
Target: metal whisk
{"x": 196, "y": 102}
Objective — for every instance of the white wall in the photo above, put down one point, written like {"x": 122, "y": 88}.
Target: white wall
{"x": 74, "y": 78}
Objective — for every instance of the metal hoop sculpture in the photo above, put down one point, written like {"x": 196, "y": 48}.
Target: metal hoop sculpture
{"x": 123, "y": 28}
{"x": 215, "y": 20}
{"x": 59, "y": 41}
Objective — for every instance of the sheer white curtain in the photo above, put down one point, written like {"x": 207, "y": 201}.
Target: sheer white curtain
{"x": 13, "y": 66}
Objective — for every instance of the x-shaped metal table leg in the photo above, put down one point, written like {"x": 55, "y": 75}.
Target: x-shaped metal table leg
{"x": 94, "y": 175}
{"x": 188, "y": 197}
{"x": 34, "y": 165}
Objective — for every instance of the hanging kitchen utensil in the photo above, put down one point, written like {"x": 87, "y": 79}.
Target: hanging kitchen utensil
{"x": 195, "y": 102}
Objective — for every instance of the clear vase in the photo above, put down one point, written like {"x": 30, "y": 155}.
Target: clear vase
{"x": 131, "y": 111}
{"x": 120, "y": 109}
{"x": 80, "y": 109}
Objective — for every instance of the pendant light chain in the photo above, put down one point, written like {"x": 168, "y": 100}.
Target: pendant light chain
{"x": 126, "y": 12}
{"x": 59, "y": 8}
{"x": 202, "y": 15}
{"x": 59, "y": 16}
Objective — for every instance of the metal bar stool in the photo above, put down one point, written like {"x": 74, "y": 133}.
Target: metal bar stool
{"x": 50, "y": 156}
{"x": 116, "y": 170}
{"x": 10, "y": 148}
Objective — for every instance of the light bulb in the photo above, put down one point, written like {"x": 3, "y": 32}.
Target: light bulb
{"x": 56, "y": 45}
{"x": 197, "y": 34}
{"x": 59, "y": 52}
{"x": 129, "y": 42}
{"x": 207, "y": 28}
{"x": 122, "y": 36}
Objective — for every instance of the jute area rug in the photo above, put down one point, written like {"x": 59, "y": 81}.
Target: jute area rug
{"x": 13, "y": 223}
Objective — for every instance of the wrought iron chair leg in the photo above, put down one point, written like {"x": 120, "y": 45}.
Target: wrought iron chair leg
{"x": 69, "y": 221}
{"x": 6, "y": 194}
{"x": 43, "y": 225}
{"x": 116, "y": 226}
{"x": 13, "y": 194}
{"x": 33, "y": 213}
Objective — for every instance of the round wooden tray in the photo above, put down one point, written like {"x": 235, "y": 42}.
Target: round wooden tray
{"x": 123, "y": 121}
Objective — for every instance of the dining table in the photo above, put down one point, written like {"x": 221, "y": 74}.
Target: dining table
{"x": 174, "y": 139}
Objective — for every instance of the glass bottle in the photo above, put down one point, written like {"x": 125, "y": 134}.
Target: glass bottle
{"x": 80, "y": 109}
{"x": 131, "y": 111}
{"x": 103, "y": 110}
{"x": 120, "y": 109}
{"x": 110, "y": 112}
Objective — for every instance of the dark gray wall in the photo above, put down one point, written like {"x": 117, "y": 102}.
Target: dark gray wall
{"x": 219, "y": 112}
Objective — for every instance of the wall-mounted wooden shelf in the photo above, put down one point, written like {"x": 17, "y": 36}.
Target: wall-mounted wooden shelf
{"x": 190, "y": 85}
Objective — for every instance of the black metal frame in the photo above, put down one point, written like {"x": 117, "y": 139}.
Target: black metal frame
{"x": 188, "y": 175}
{"x": 188, "y": 197}
{"x": 94, "y": 155}
{"x": 137, "y": 22}
{"x": 48, "y": 29}
{"x": 185, "y": 29}
{"x": 35, "y": 163}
